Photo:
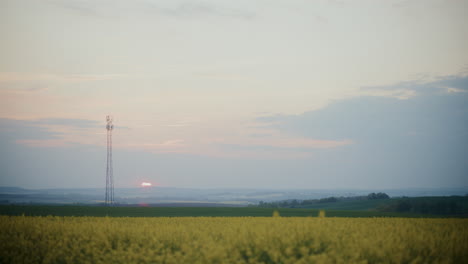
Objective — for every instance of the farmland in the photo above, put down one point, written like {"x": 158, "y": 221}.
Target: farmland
{"x": 68, "y": 210}
{"x": 52, "y": 239}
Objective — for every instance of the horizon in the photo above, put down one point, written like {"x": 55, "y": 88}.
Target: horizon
{"x": 248, "y": 188}
{"x": 350, "y": 192}
{"x": 180, "y": 197}
{"x": 322, "y": 95}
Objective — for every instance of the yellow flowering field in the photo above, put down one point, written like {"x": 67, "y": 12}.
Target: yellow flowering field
{"x": 25, "y": 239}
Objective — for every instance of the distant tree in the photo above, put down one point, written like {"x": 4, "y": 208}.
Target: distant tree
{"x": 383, "y": 196}
{"x": 374, "y": 196}
{"x": 328, "y": 200}
{"x": 403, "y": 206}
{"x": 307, "y": 202}
{"x": 294, "y": 203}
{"x": 453, "y": 208}
{"x": 424, "y": 208}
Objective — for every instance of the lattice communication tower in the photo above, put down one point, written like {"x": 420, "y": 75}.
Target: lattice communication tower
{"x": 110, "y": 170}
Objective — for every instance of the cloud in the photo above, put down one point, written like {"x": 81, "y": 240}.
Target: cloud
{"x": 14, "y": 130}
{"x": 191, "y": 9}
{"x": 361, "y": 117}
{"x": 83, "y": 7}
{"x": 421, "y": 140}
{"x": 167, "y": 146}
{"x": 6, "y": 77}
{"x": 408, "y": 89}
{"x": 70, "y": 122}
{"x": 293, "y": 144}
{"x": 44, "y": 143}
{"x": 27, "y": 83}
{"x": 453, "y": 83}
{"x": 177, "y": 9}
{"x": 50, "y": 132}
{"x": 23, "y": 89}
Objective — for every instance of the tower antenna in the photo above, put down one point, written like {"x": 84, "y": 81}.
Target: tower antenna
{"x": 109, "y": 170}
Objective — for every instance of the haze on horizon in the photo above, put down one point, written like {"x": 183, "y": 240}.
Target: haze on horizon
{"x": 235, "y": 94}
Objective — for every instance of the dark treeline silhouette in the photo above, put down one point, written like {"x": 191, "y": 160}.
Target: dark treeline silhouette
{"x": 295, "y": 203}
{"x": 451, "y": 205}
{"x": 435, "y": 205}
{"x": 375, "y": 196}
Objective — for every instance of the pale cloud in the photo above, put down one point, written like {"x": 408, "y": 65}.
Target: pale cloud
{"x": 68, "y": 122}
{"x": 167, "y": 146}
{"x": 83, "y": 7}
{"x": 178, "y": 9}
{"x": 455, "y": 90}
{"x": 192, "y": 9}
{"x": 21, "y": 89}
{"x": 9, "y": 77}
{"x": 223, "y": 143}
{"x": 259, "y": 153}
{"x": 45, "y": 143}
{"x": 51, "y": 132}
{"x": 224, "y": 137}
{"x": 401, "y": 94}
{"x": 410, "y": 142}
{"x": 423, "y": 86}
{"x": 287, "y": 143}
{"x": 32, "y": 84}
{"x": 266, "y": 143}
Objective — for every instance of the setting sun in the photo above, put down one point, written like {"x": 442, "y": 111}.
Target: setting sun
{"x": 146, "y": 184}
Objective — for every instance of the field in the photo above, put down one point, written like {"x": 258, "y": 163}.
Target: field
{"x": 46, "y": 210}
{"x": 25, "y": 239}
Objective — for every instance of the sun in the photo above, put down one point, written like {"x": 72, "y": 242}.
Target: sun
{"x": 146, "y": 184}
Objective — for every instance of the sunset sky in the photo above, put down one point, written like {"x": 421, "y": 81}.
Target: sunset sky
{"x": 250, "y": 94}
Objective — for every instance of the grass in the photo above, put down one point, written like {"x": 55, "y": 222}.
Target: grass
{"x": 68, "y": 210}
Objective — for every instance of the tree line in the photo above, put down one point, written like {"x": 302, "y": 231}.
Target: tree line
{"x": 448, "y": 205}
{"x": 295, "y": 203}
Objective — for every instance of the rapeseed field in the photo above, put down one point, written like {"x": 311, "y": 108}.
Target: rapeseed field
{"x": 25, "y": 239}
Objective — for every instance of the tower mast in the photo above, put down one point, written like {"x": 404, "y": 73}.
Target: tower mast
{"x": 109, "y": 167}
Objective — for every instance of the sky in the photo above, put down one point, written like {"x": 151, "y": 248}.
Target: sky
{"x": 235, "y": 94}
